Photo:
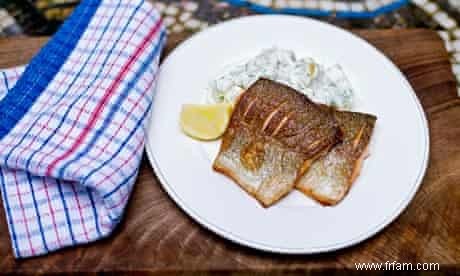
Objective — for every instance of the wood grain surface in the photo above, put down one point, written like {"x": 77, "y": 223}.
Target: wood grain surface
{"x": 157, "y": 237}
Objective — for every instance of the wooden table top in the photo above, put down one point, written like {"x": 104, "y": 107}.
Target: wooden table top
{"x": 157, "y": 237}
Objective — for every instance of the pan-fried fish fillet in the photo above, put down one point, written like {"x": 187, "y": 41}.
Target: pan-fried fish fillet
{"x": 330, "y": 177}
{"x": 273, "y": 136}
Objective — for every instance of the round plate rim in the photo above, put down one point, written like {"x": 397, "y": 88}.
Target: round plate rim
{"x": 301, "y": 250}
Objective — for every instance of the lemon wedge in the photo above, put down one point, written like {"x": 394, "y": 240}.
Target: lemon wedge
{"x": 205, "y": 122}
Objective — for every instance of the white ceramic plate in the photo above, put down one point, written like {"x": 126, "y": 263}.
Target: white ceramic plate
{"x": 388, "y": 181}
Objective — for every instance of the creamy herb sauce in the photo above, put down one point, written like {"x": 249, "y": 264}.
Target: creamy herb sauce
{"x": 327, "y": 85}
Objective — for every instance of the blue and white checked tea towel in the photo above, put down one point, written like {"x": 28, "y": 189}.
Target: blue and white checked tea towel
{"x": 72, "y": 125}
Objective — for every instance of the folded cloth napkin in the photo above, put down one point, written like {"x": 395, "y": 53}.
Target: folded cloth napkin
{"x": 72, "y": 125}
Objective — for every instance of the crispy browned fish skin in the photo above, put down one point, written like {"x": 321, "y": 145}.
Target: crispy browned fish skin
{"x": 273, "y": 136}
{"x": 331, "y": 176}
